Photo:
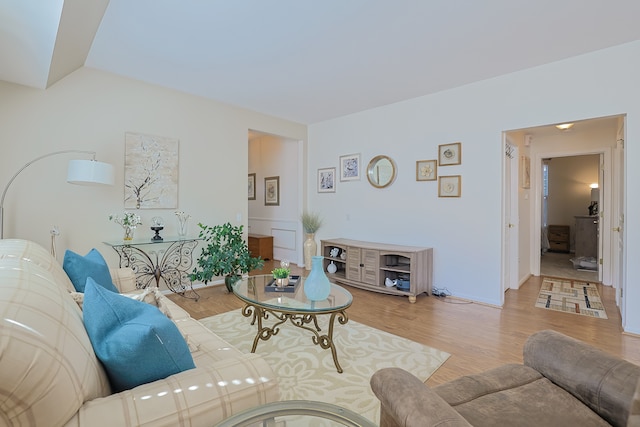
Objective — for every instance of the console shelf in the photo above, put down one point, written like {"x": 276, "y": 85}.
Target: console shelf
{"x": 367, "y": 265}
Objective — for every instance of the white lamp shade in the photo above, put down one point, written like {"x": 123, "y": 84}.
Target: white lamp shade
{"x": 89, "y": 172}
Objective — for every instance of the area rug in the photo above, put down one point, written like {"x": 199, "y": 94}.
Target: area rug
{"x": 307, "y": 372}
{"x": 571, "y": 296}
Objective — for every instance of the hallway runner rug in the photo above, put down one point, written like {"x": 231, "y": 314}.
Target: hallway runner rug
{"x": 307, "y": 372}
{"x": 571, "y": 296}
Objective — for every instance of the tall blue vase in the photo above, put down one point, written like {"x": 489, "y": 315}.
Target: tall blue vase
{"x": 317, "y": 286}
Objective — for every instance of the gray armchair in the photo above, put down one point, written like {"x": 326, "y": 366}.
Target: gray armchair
{"x": 563, "y": 382}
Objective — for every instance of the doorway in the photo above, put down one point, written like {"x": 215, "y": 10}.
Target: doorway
{"x": 276, "y": 159}
{"x": 586, "y": 137}
{"x": 569, "y": 217}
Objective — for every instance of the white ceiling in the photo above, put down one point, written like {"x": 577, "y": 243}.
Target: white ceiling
{"x": 303, "y": 60}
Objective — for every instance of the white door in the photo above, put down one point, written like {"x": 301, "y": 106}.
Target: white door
{"x": 618, "y": 222}
{"x": 510, "y": 234}
{"x": 600, "y": 201}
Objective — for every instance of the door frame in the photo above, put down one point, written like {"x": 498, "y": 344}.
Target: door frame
{"x": 510, "y": 223}
{"x": 605, "y": 209}
{"x": 618, "y": 220}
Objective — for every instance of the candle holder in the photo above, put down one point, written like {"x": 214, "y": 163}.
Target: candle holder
{"x": 158, "y": 224}
{"x": 157, "y": 237}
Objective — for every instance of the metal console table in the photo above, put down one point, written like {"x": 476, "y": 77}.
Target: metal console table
{"x": 169, "y": 261}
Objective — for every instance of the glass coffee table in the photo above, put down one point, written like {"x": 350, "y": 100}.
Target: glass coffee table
{"x": 265, "y": 415}
{"x": 293, "y": 307}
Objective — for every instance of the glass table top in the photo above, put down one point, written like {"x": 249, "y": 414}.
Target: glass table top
{"x": 253, "y": 290}
{"x": 265, "y": 415}
{"x": 148, "y": 241}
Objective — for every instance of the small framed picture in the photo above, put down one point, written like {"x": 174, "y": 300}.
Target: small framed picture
{"x": 426, "y": 170}
{"x": 272, "y": 191}
{"x": 449, "y": 186}
{"x": 350, "y": 167}
{"x": 450, "y": 154}
{"x": 252, "y": 186}
{"x": 327, "y": 180}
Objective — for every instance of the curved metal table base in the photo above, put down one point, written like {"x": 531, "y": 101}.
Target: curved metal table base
{"x": 299, "y": 320}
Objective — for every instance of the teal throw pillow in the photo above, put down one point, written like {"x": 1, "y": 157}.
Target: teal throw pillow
{"x": 135, "y": 342}
{"x": 93, "y": 265}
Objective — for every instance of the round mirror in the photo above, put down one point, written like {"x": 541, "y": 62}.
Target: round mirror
{"x": 381, "y": 171}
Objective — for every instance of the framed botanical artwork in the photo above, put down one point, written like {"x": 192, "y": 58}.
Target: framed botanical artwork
{"x": 150, "y": 172}
{"x": 525, "y": 170}
{"x": 426, "y": 170}
{"x": 449, "y": 186}
{"x": 350, "y": 167}
{"x": 450, "y": 154}
{"x": 252, "y": 186}
{"x": 327, "y": 180}
{"x": 272, "y": 191}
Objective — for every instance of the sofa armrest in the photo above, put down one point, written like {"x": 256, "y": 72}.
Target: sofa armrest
{"x": 124, "y": 279}
{"x": 197, "y": 397}
{"x": 601, "y": 381}
{"x": 407, "y": 402}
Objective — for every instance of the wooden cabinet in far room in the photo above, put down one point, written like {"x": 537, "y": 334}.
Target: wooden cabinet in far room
{"x": 260, "y": 245}
{"x": 559, "y": 238}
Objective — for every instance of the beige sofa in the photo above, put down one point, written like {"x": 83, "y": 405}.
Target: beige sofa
{"x": 50, "y": 376}
{"x": 563, "y": 382}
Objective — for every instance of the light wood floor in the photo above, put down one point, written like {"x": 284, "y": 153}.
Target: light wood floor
{"x": 477, "y": 336}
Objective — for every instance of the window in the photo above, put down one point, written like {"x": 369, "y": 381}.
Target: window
{"x": 545, "y": 191}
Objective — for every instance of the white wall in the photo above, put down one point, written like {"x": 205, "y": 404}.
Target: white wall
{"x": 92, "y": 110}
{"x": 466, "y": 232}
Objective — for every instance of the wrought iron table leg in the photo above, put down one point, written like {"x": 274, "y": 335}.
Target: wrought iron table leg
{"x": 298, "y": 320}
{"x": 326, "y": 341}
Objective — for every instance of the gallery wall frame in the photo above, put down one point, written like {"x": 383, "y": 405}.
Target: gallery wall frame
{"x": 450, "y": 154}
{"x": 251, "y": 186}
{"x": 350, "y": 167}
{"x": 450, "y": 186}
{"x": 327, "y": 180}
{"x": 272, "y": 191}
{"x": 426, "y": 170}
{"x": 150, "y": 172}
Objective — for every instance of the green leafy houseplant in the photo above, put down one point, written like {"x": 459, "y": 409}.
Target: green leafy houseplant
{"x": 281, "y": 273}
{"x": 311, "y": 222}
{"x": 226, "y": 254}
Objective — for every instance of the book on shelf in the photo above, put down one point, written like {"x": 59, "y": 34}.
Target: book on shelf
{"x": 272, "y": 286}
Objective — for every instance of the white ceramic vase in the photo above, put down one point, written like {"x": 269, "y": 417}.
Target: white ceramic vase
{"x": 331, "y": 268}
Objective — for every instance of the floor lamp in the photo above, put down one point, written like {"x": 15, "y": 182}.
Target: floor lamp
{"x": 82, "y": 172}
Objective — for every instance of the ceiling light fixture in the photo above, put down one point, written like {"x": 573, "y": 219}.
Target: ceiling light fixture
{"x": 565, "y": 126}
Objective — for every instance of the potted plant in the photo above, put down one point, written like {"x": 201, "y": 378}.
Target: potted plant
{"x": 311, "y": 222}
{"x": 226, "y": 254}
{"x": 281, "y": 274}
